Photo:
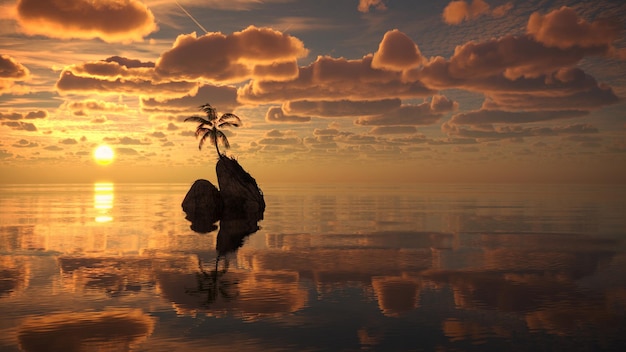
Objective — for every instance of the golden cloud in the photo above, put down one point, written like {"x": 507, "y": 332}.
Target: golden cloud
{"x": 231, "y": 58}
{"x": 109, "y": 20}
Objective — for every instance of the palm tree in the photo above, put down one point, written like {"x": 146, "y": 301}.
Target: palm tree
{"x": 209, "y": 126}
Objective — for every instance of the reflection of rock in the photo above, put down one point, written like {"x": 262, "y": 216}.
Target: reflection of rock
{"x": 116, "y": 330}
{"x": 396, "y": 295}
{"x": 250, "y": 295}
{"x": 233, "y": 232}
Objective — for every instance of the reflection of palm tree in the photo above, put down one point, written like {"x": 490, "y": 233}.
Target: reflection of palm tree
{"x": 209, "y": 126}
{"x": 213, "y": 283}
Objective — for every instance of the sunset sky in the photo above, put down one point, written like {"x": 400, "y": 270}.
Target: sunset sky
{"x": 328, "y": 91}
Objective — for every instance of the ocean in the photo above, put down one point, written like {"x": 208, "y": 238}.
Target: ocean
{"x": 118, "y": 267}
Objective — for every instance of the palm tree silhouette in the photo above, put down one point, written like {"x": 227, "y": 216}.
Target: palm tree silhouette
{"x": 209, "y": 127}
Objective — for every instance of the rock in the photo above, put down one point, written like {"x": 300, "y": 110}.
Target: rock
{"x": 203, "y": 206}
{"x": 239, "y": 191}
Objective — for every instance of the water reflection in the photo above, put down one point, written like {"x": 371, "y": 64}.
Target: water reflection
{"x": 103, "y": 201}
{"x": 373, "y": 270}
{"x": 111, "y": 330}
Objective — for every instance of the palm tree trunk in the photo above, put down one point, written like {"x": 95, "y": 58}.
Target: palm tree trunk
{"x": 219, "y": 155}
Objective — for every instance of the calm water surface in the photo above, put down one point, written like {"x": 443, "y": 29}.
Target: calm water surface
{"x": 116, "y": 267}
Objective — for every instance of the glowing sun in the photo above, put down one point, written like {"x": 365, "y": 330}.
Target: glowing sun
{"x": 103, "y": 154}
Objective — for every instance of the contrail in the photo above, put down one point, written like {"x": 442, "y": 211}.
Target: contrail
{"x": 190, "y": 16}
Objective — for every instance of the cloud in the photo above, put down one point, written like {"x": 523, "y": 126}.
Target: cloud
{"x": 507, "y": 132}
{"x": 224, "y": 98}
{"x": 10, "y": 72}
{"x": 280, "y": 141}
{"x": 126, "y": 151}
{"x": 458, "y": 11}
{"x": 39, "y": 114}
{"x": 157, "y": 134}
{"x": 125, "y": 140}
{"x": 426, "y": 113}
{"x": 396, "y": 52}
{"x": 231, "y": 58}
{"x": 326, "y": 132}
{"x": 365, "y": 5}
{"x": 68, "y": 141}
{"x": 335, "y": 79}
{"x": 19, "y": 125}
{"x": 276, "y": 114}
{"x": 340, "y": 108}
{"x": 54, "y": 148}
{"x": 115, "y": 67}
{"x": 482, "y": 117}
{"x": 381, "y": 130}
{"x": 564, "y": 29}
{"x": 11, "y": 69}
{"x": 80, "y": 108}
{"x": 68, "y": 82}
{"x": 4, "y": 154}
{"x": 109, "y": 20}
{"x": 23, "y": 143}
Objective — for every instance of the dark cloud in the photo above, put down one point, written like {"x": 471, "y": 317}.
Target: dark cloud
{"x": 11, "y": 69}
{"x": 157, "y": 134}
{"x": 39, "y": 114}
{"x": 340, "y": 108}
{"x": 280, "y": 141}
{"x": 71, "y": 83}
{"x": 507, "y": 132}
{"x": 426, "y": 113}
{"x": 276, "y": 115}
{"x": 326, "y": 132}
{"x": 109, "y": 20}
{"x": 224, "y": 98}
{"x": 129, "y": 63}
{"x": 68, "y": 141}
{"x": 125, "y": 140}
{"x": 54, "y": 148}
{"x": 382, "y": 130}
{"x": 11, "y": 116}
{"x": 331, "y": 79}
{"x": 19, "y": 125}
{"x": 481, "y": 117}
{"x": 23, "y": 143}
{"x": 126, "y": 151}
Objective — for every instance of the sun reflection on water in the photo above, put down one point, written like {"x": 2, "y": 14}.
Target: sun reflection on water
{"x": 103, "y": 201}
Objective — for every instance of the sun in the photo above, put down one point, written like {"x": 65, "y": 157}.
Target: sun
{"x": 103, "y": 154}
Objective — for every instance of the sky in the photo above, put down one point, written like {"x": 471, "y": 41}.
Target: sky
{"x": 363, "y": 91}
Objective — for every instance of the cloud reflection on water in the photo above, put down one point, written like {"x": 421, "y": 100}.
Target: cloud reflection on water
{"x": 429, "y": 263}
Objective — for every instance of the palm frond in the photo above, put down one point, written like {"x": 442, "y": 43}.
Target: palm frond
{"x": 230, "y": 117}
{"x": 201, "y": 130}
{"x": 209, "y": 111}
{"x": 221, "y": 137}
{"x": 208, "y": 134}
{"x": 199, "y": 119}
{"x": 228, "y": 124}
